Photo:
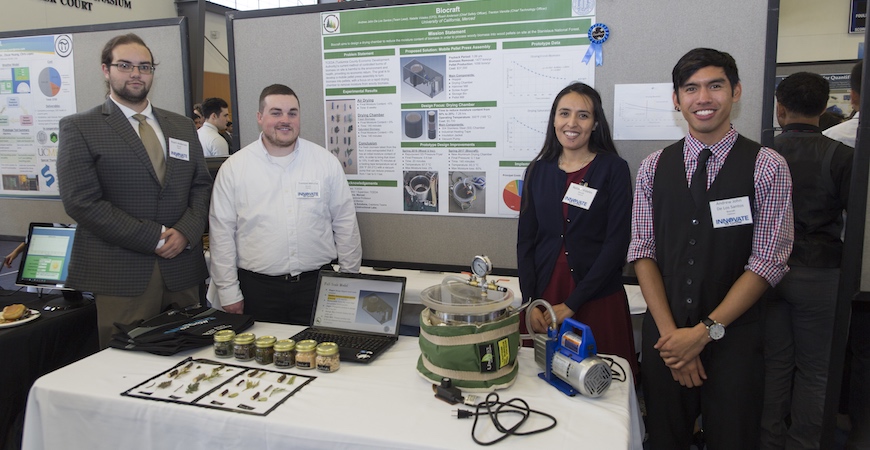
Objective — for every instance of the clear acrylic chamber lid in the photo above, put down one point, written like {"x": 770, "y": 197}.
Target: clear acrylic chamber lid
{"x": 455, "y": 296}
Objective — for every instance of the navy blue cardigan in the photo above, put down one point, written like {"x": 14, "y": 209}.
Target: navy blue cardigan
{"x": 596, "y": 239}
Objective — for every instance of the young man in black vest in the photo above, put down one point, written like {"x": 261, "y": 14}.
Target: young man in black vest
{"x": 799, "y": 324}
{"x": 706, "y": 245}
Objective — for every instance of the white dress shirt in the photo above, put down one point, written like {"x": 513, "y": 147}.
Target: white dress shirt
{"x": 213, "y": 143}
{"x": 277, "y": 219}
{"x": 846, "y": 132}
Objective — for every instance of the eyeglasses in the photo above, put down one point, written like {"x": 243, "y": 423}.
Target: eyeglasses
{"x": 127, "y": 67}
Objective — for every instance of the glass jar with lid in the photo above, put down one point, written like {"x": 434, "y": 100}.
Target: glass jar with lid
{"x": 223, "y": 343}
{"x": 305, "y": 355}
{"x": 327, "y": 357}
{"x": 285, "y": 353}
{"x": 243, "y": 346}
{"x": 265, "y": 349}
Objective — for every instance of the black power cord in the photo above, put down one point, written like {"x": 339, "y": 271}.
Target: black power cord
{"x": 493, "y": 407}
{"x": 617, "y": 375}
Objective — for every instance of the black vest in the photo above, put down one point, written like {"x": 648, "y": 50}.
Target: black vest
{"x": 818, "y": 205}
{"x": 698, "y": 263}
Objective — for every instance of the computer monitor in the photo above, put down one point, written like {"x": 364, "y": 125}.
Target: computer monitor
{"x": 45, "y": 261}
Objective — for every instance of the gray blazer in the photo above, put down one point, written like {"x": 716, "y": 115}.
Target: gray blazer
{"x": 109, "y": 187}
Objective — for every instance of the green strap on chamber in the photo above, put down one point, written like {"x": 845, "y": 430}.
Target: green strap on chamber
{"x": 476, "y": 357}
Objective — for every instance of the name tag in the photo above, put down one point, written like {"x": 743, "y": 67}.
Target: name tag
{"x": 308, "y": 189}
{"x": 179, "y": 149}
{"x": 731, "y": 212}
{"x": 580, "y": 196}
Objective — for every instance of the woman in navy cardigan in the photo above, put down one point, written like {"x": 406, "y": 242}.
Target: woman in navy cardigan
{"x": 575, "y": 224}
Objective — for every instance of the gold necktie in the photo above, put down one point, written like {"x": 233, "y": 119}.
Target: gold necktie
{"x": 152, "y": 146}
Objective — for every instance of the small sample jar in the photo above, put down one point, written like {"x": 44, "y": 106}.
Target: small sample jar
{"x": 327, "y": 357}
{"x": 223, "y": 343}
{"x": 305, "y": 355}
{"x": 285, "y": 353}
{"x": 265, "y": 349}
{"x": 243, "y": 346}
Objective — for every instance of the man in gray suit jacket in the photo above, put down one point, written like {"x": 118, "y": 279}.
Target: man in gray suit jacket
{"x": 139, "y": 189}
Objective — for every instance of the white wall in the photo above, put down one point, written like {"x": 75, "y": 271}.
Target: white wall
{"x": 215, "y": 56}
{"x": 813, "y": 30}
{"x": 38, "y": 14}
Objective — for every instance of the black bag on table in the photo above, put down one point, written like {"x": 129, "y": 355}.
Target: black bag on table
{"x": 176, "y": 330}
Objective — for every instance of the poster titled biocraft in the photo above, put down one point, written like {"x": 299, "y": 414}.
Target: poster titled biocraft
{"x": 438, "y": 108}
{"x": 37, "y": 89}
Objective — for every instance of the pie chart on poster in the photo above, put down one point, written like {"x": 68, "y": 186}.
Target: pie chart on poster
{"x": 511, "y": 194}
{"x": 49, "y": 82}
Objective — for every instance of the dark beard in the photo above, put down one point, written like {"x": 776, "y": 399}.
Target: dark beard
{"x": 126, "y": 95}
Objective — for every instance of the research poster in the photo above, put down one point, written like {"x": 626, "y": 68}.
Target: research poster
{"x": 37, "y": 89}
{"x": 438, "y": 108}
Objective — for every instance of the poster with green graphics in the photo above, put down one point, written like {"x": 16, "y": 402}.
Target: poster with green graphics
{"x": 437, "y": 108}
{"x": 37, "y": 89}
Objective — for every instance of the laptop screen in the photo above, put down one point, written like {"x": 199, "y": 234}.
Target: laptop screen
{"x": 359, "y": 302}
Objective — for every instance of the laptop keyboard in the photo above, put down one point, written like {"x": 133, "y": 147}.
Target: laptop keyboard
{"x": 344, "y": 341}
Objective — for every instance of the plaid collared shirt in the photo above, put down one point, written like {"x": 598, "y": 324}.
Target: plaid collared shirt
{"x": 773, "y": 221}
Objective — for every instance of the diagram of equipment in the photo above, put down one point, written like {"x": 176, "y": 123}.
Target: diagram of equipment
{"x": 421, "y": 191}
{"x": 377, "y": 308}
{"x": 465, "y": 188}
{"x": 423, "y": 78}
{"x": 341, "y": 134}
{"x": 413, "y": 124}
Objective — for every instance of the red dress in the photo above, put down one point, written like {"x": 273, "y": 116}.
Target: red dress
{"x": 608, "y": 317}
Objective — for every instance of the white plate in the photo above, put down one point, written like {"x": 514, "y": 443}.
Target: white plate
{"x": 34, "y": 314}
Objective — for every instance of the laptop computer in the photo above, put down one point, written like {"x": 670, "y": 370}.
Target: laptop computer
{"x": 359, "y": 312}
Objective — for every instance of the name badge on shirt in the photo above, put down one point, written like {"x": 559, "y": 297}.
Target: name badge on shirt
{"x": 731, "y": 212}
{"x": 580, "y": 196}
{"x": 308, "y": 189}
{"x": 179, "y": 149}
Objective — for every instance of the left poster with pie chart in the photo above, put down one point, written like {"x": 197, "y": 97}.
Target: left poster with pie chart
{"x": 37, "y": 89}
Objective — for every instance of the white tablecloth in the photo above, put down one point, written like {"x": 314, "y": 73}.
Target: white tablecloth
{"x": 382, "y": 405}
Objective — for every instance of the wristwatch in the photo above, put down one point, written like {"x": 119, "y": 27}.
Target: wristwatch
{"x": 715, "y": 329}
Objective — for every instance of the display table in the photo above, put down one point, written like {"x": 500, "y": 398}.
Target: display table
{"x": 35, "y": 348}
{"x": 385, "y": 404}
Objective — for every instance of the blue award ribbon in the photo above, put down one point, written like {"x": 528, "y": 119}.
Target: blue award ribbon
{"x": 598, "y": 34}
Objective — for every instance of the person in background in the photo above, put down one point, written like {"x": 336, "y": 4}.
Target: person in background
{"x": 197, "y": 119}
{"x": 829, "y": 119}
{"x": 847, "y": 132}
{"x": 216, "y": 113}
{"x": 574, "y": 225}
{"x": 228, "y": 136}
{"x": 281, "y": 211}
{"x": 712, "y": 229}
{"x": 141, "y": 212}
{"x": 799, "y": 324}
{"x": 14, "y": 254}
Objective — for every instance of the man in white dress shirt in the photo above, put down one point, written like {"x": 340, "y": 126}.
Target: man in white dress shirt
{"x": 217, "y": 114}
{"x": 281, "y": 211}
{"x": 847, "y": 132}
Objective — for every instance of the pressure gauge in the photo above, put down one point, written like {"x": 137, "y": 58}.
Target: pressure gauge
{"x": 481, "y": 266}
